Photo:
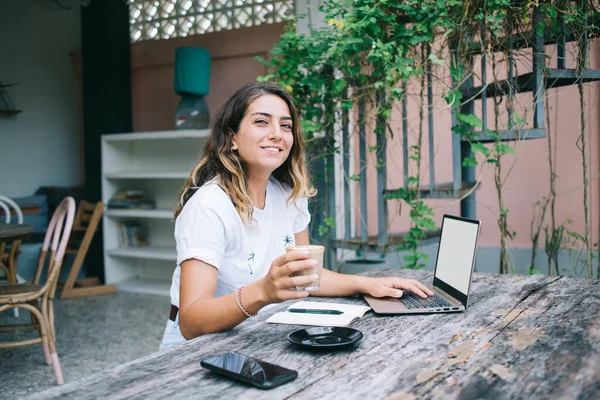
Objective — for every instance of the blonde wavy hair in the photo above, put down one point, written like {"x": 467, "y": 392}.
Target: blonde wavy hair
{"x": 220, "y": 161}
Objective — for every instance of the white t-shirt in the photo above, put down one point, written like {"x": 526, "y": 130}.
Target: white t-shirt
{"x": 210, "y": 229}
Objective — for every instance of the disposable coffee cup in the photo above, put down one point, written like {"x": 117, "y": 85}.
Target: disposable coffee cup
{"x": 316, "y": 253}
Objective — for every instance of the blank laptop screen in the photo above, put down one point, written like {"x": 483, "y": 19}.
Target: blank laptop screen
{"x": 456, "y": 252}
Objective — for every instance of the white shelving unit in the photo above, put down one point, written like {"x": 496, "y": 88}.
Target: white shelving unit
{"x": 157, "y": 163}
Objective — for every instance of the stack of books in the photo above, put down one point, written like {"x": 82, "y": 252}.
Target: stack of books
{"x": 133, "y": 234}
{"x": 125, "y": 199}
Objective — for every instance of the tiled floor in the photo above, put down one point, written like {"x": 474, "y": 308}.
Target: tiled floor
{"x": 93, "y": 334}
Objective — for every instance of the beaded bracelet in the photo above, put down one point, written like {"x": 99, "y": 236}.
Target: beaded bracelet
{"x": 238, "y": 300}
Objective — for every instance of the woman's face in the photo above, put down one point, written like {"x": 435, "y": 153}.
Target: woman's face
{"x": 265, "y": 137}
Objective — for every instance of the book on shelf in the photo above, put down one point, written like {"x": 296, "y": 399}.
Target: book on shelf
{"x": 131, "y": 198}
{"x": 133, "y": 234}
{"x": 345, "y": 314}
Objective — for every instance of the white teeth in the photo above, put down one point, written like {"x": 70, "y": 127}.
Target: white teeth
{"x": 272, "y": 149}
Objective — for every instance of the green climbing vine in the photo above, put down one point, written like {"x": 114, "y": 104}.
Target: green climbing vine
{"x": 371, "y": 51}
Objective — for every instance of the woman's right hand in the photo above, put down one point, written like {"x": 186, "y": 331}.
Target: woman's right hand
{"x": 277, "y": 284}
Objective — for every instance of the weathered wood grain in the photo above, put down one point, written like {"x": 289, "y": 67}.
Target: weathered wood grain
{"x": 522, "y": 337}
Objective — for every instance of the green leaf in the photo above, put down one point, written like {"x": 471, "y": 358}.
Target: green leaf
{"x": 323, "y": 230}
{"x": 480, "y": 148}
{"x": 470, "y": 119}
{"x": 339, "y": 85}
{"x": 470, "y": 161}
{"x": 265, "y": 78}
{"x": 329, "y": 221}
{"x": 410, "y": 258}
{"x": 347, "y": 104}
{"x": 454, "y": 98}
{"x": 492, "y": 134}
{"x": 435, "y": 60}
{"x": 503, "y": 148}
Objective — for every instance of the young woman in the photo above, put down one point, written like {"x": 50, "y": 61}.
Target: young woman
{"x": 244, "y": 202}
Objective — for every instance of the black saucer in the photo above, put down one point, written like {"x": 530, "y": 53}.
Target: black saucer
{"x": 325, "y": 338}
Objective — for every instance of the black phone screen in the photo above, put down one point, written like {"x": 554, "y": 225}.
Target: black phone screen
{"x": 248, "y": 369}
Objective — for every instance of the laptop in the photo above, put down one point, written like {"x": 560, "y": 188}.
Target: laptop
{"x": 452, "y": 277}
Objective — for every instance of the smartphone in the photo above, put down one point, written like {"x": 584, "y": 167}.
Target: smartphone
{"x": 249, "y": 370}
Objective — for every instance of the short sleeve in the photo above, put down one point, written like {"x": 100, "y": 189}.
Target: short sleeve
{"x": 303, "y": 215}
{"x": 200, "y": 234}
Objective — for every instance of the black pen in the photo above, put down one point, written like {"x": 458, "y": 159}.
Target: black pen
{"x": 314, "y": 311}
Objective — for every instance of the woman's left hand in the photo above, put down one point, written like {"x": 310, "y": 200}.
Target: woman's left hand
{"x": 391, "y": 287}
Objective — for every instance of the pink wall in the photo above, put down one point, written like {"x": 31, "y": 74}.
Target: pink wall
{"x": 528, "y": 181}
{"x": 232, "y": 65}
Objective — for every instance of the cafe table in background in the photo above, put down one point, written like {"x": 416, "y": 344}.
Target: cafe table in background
{"x": 12, "y": 234}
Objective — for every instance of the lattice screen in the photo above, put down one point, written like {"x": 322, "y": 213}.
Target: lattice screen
{"x": 163, "y": 19}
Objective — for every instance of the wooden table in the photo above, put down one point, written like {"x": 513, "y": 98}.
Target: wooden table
{"x": 13, "y": 233}
{"x": 522, "y": 337}
{"x": 10, "y": 232}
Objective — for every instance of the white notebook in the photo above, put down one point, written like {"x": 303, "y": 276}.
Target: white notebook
{"x": 350, "y": 314}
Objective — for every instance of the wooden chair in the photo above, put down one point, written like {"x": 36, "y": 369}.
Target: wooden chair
{"x": 10, "y": 252}
{"x": 86, "y": 224}
{"x": 37, "y": 298}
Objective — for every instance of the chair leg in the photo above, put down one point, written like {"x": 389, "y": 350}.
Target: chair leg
{"x": 43, "y": 329}
{"x": 34, "y": 321}
{"x": 60, "y": 380}
{"x": 48, "y": 315}
{"x": 53, "y": 354}
{"x": 47, "y": 354}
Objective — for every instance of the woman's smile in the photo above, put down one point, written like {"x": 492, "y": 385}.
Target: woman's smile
{"x": 273, "y": 150}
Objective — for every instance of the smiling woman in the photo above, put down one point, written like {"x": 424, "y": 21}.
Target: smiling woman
{"x": 264, "y": 140}
{"x": 242, "y": 205}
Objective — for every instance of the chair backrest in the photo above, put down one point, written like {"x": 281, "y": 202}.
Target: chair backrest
{"x": 57, "y": 236}
{"x": 85, "y": 225}
{"x": 15, "y": 206}
{"x": 85, "y": 214}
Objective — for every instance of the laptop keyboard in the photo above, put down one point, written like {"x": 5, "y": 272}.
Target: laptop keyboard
{"x": 411, "y": 300}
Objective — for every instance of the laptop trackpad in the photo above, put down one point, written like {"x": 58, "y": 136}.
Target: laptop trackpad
{"x": 385, "y": 305}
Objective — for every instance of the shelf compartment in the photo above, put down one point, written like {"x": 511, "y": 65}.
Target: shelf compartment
{"x": 139, "y": 213}
{"x": 146, "y": 175}
{"x": 148, "y": 253}
{"x": 158, "y": 135}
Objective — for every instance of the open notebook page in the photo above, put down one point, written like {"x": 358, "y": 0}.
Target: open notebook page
{"x": 351, "y": 313}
